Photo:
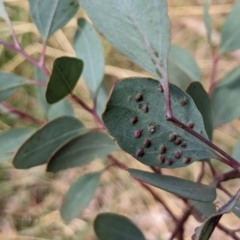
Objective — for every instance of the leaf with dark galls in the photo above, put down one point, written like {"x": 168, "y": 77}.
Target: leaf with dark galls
{"x": 147, "y": 136}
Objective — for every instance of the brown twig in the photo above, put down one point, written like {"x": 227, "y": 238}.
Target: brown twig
{"x": 226, "y": 176}
{"x": 228, "y": 231}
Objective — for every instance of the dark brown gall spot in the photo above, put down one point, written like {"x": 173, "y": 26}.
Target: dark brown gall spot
{"x": 172, "y": 137}
{"x": 183, "y": 101}
{"x": 161, "y": 159}
{"x": 183, "y": 145}
{"x": 152, "y": 129}
{"x": 139, "y": 97}
{"x": 191, "y": 125}
{"x": 145, "y": 109}
{"x": 134, "y": 120}
{"x": 140, "y": 152}
{"x": 138, "y": 133}
{"x": 162, "y": 149}
{"x": 147, "y": 143}
{"x": 187, "y": 160}
{"x": 160, "y": 88}
{"x": 177, "y": 154}
{"x": 178, "y": 141}
{"x": 140, "y": 105}
{"x": 169, "y": 162}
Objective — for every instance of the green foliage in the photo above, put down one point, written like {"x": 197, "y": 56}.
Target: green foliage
{"x": 65, "y": 75}
{"x": 110, "y": 226}
{"x": 207, "y": 21}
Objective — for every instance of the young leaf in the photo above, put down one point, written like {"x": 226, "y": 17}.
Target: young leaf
{"x": 81, "y": 150}
{"x": 182, "y": 67}
{"x": 178, "y": 186}
{"x": 135, "y": 117}
{"x": 11, "y": 140}
{"x": 9, "y": 83}
{"x": 37, "y": 149}
{"x": 224, "y": 95}
{"x": 141, "y": 33}
{"x": 207, "y": 21}
{"x": 79, "y": 195}
{"x": 88, "y": 47}
{"x": 60, "y": 109}
{"x": 65, "y": 74}
{"x": 49, "y": 16}
{"x": 230, "y": 33}
{"x": 204, "y": 231}
{"x": 109, "y": 226}
{"x": 202, "y": 101}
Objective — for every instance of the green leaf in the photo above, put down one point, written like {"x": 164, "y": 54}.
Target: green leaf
{"x": 182, "y": 67}
{"x": 206, "y": 209}
{"x": 225, "y": 94}
{"x": 11, "y": 140}
{"x": 141, "y": 33}
{"x": 41, "y": 91}
{"x": 88, "y": 47}
{"x": 38, "y": 148}
{"x": 79, "y": 195}
{"x": 81, "y": 150}
{"x": 65, "y": 74}
{"x": 236, "y": 151}
{"x": 135, "y": 122}
{"x": 230, "y": 33}
{"x": 207, "y": 21}
{"x": 109, "y": 226}
{"x": 101, "y": 99}
{"x": 205, "y": 231}
{"x": 50, "y": 16}
{"x": 3, "y": 12}
{"x": 178, "y": 186}
{"x": 236, "y": 209}
{"x": 9, "y": 83}
{"x": 60, "y": 109}
{"x": 202, "y": 101}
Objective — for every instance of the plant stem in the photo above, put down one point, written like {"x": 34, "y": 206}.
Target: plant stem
{"x": 21, "y": 114}
{"x": 146, "y": 186}
{"x": 228, "y": 231}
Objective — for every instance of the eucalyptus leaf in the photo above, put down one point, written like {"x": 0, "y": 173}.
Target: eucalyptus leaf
{"x": 236, "y": 151}
{"x": 65, "y": 75}
{"x": 236, "y": 209}
{"x": 38, "y": 148}
{"x": 60, "y": 109}
{"x": 206, "y": 209}
{"x": 178, "y": 186}
{"x": 230, "y": 32}
{"x": 138, "y": 31}
{"x": 101, "y": 99}
{"x": 49, "y": 16}
{"x": 88, "y": 47}
{"x": 205, "y": 231}
{"x": 79, "y": 195}
{"x": 135, "y": 117}
{"x": 224, "y": 95}
{"x": 9, "y": 83}
{"x": 109, "y": 226}
{"x": 182, "y": 67}
{"x": 207, "y": 21}
{"x": 202, "y": 101}
{"x": 10, "y": 141}
{"x": 3, "y": 12}
{"x": 81, "y": 150}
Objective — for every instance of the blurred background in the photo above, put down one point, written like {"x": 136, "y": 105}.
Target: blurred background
{"x": 30, "y": 199}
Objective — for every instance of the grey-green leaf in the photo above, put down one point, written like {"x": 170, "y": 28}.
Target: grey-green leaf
{"x": 236, "y": 209}
{"x": 207, "y": 21}
{"x": 178, "y": 186}
{"x": 11, "y": 140}
{"x": 65, "y": 75}
{"x": 88, "y": 47}
{"x": 236, "y": 151}
{"x": 49, "y": 16}
{"x": 206, "y": 209}
{"x": 202, "y": 101}
{"x": 60, "y": 109}
{"x": 79, "y": 195}
{"x": 3, "y": 12}
{"x": 225, "y": 94}
{"x": 138, "y": 31}
{"x": 9, "y": 83}
{"x": 81, "y": 150}
{"x": 109, "y": 226}
{"x": 230, "y": 33}
{"x": 101, "y": 99}
{"x": 205, "y": 231}
{"x": 135, "y": 117}
{"x": 182, "y": 67}
{"x": 38, "y": 148}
